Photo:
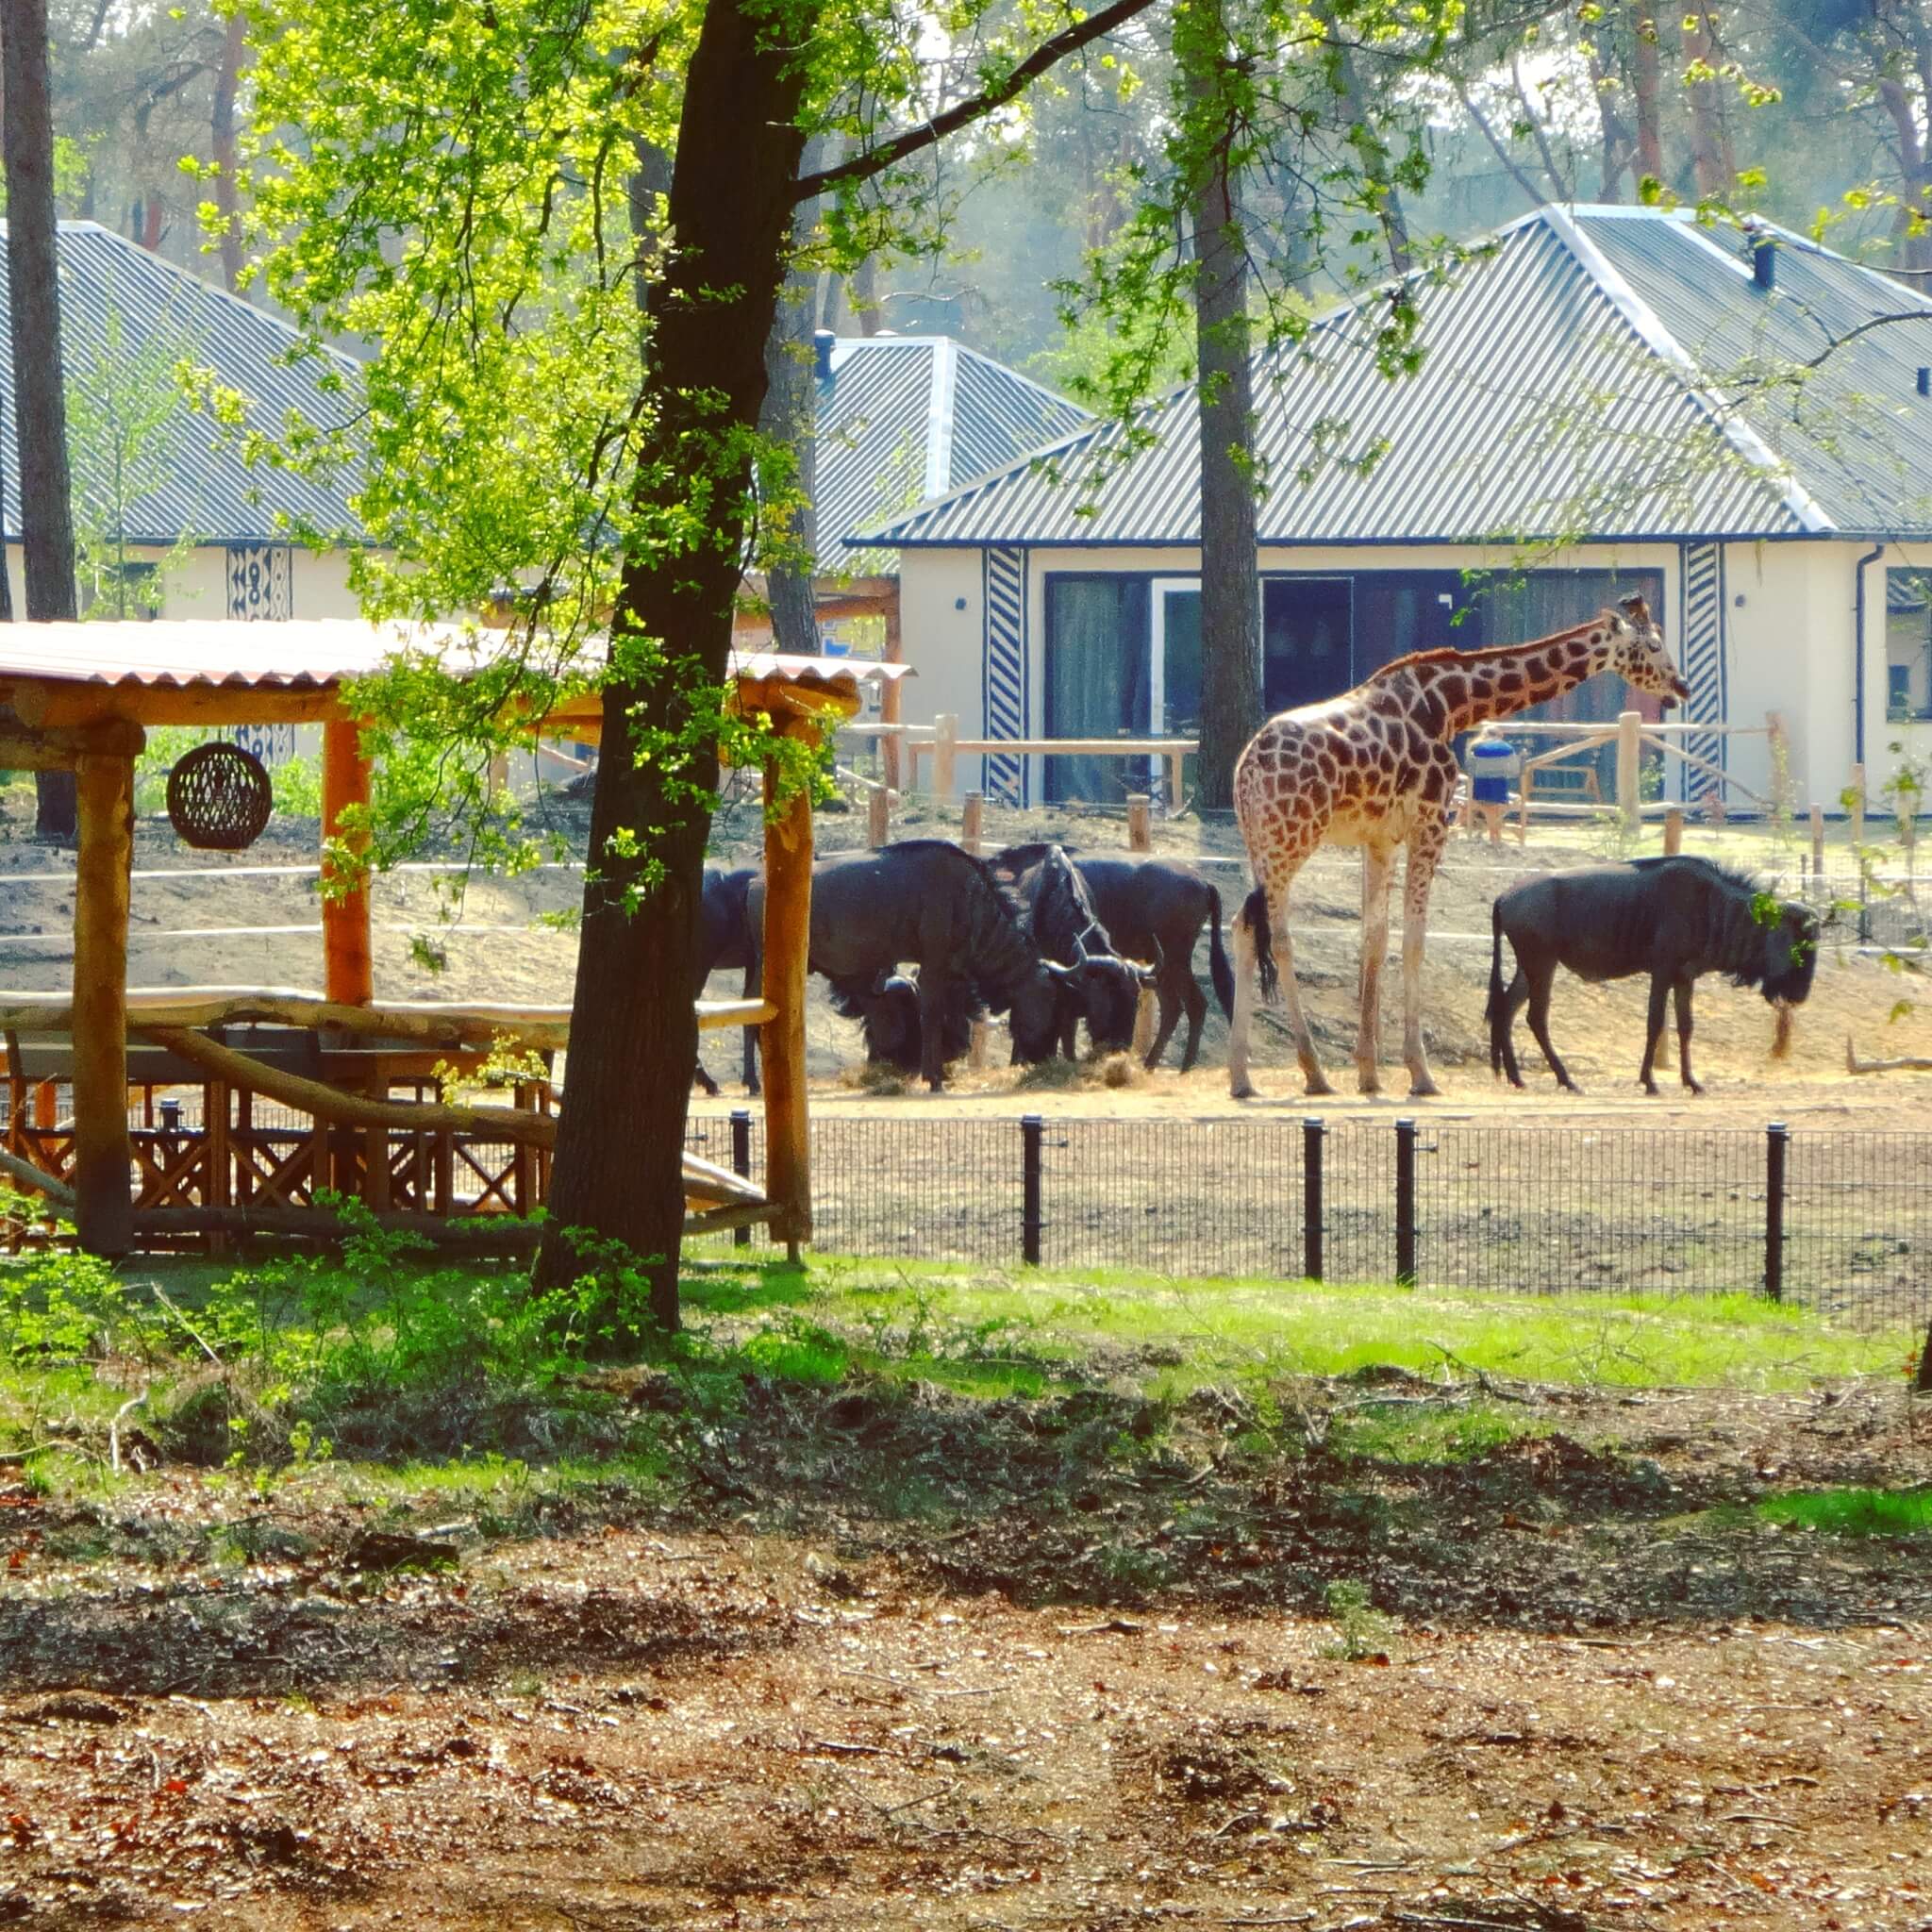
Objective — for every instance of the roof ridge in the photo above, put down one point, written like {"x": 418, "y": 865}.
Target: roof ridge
{"x": 1649, "y": 327}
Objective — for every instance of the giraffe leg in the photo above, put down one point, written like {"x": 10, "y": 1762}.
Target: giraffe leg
{"x": 1376, "y": 866}
{"x": 1275, "y": 890}
{"x": 1425, "y": 843}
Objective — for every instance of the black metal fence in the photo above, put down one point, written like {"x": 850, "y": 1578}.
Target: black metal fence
{"x": 1840, "y": 1222}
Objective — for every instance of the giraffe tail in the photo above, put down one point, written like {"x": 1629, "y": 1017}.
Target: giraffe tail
{"x": 1495, "y": 1011}
{"x": 1254, "y": 915}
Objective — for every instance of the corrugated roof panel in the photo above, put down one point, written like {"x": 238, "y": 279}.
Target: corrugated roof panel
{"x": 194, "y": 486}
{"x": 305, "y": 653}
{"x": 1551, "y": 402}
{"x": 903, "y": 413}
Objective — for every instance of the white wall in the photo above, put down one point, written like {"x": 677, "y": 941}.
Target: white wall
{"x": 942, "y": 636}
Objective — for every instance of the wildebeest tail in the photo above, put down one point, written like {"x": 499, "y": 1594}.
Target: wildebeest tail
{"x": 1493, "y": 1011}
{"x": 1254, "y": 915}
{"x": 1218, "y": 969}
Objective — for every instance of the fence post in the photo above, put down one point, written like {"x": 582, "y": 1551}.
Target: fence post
{"x": 1629, "y": 750}
{"x": 1776, "y": 1140}
{"x": 741, "y": 1163}
{"x": 1140, "y": 827}
{"x": 945, "y": 740}
{"x": 1031, "y": 1129}
{"x": 973, "y": 823}
{"x": 879, "y": 818}
{"x": 1857, "y": 806}
{"x": 1312, "y": 1132}
{"x": 1673, "y": 831}
{"x": 1818, "y": 844}
{"x": 1405, "y": 1203}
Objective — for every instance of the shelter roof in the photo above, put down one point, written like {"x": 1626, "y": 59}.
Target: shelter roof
{"x": 218, "y": 669}
{"x": 128, "y": 315}
{"x": 1591, "y": 372}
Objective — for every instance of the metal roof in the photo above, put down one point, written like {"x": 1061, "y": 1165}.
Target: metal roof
{"x": 303, "y": 654}
{"x": 116, "y": 299}
{"x": 903, "y": 418}
{"x": 1581, "y": 378}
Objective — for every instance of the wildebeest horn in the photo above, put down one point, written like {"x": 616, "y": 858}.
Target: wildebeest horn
{"x": 1060, "y": 971}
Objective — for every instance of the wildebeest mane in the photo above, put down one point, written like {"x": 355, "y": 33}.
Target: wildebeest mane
{"x": 1734, "y": 933}
{"x": 995, "y": 953}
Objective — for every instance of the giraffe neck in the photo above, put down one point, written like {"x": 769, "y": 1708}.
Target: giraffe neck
{"x": 1470, "y": 690}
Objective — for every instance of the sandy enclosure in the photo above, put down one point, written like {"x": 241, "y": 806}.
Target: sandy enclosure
{"x": 252, "y": 919}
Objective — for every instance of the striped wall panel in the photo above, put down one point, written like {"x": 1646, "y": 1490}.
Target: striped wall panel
{"x": 1704, "y": 660}
{"x": 1006, "y": 669}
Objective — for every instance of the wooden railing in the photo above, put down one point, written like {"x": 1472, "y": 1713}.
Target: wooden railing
{"x": 941, "y": 743}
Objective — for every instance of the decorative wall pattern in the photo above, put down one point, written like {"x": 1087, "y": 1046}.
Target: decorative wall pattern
{"x": 1005, "y": 670}
{"x": 260, "y": 581}
{"x": 1704, "y": 660}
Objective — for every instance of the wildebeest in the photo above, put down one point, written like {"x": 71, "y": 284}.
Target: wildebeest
{"x": 927, "y": 902}
{"x": 1676, "y": 918}
{"x": 725, "y": 944}
{"x": 1154, "y": 909}
{"x": 888, "y": 1016}
{"x": 1102, "y": 988}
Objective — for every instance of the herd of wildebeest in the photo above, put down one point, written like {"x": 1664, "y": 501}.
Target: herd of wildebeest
{"x": 920, "y": 939}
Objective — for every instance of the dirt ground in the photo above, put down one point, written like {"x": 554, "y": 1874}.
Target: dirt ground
{"x": 219, "y": 928}
{"x": 1592, "y": 1692}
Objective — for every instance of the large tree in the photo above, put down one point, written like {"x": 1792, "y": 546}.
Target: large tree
{"x": 33, "y": 295}
{"x": 459, "y": 196}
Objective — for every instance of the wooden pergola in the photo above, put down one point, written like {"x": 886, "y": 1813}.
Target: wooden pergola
{"x": 82, "y": 697}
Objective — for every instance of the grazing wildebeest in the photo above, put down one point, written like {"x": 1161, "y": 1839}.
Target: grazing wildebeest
{"x": 888, "y": 1015}
{"x": 1676, "y": 918}
{"x": 1102, "y": 987}
{"x": 725, "y": 942}
{"x": 1155, "y": 909}
{"x": 925, "y": 902}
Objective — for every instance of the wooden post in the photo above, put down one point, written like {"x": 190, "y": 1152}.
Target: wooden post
{"x": 104, "y": 1213}
{"x": 1817, "y": 844}
{"x": 788, "y": 941}
{"x": 1858, "y": 807}
{"x": 1779, "y": 750}
{"x": 348, "y": 973}
{"x": 972, "y": 822}
{"x": 1140, "y": 823}
{"x": 945, "y": 740}
{"x": 1673, "y": 831}
{"x": 1630, "y": 791}
{"x": 889, "y": 699}
{"x": 498, "y": 782}
{"x": 1176, "y": 769}
{"x": 879, "y": 818}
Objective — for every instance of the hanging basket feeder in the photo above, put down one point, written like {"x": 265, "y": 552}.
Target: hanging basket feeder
{"x": 219, "y": 797}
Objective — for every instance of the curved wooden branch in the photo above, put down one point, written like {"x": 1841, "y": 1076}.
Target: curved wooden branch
{"x": 57, "y": 1193}
{"x": 331, "y": 1103}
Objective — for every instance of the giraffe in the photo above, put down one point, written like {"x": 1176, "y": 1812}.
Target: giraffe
{"x": 1374, "y": 767}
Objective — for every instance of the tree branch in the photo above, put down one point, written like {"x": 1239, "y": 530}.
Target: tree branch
{"x": 862, "y": 167}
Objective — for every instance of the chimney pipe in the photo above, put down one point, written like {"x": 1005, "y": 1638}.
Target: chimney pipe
{"x": 822, "y": 341}
{"x": 1925, "y": 380}
{"x": 1763, "y": 256}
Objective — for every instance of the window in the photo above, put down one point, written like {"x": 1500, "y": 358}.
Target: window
{"x": 1099, "y": 677}
{"x": 1907, "y": 643}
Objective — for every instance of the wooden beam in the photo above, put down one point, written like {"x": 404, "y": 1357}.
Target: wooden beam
{"x": 787, "y": 942}
{"x": 490, "y": 1234}
{"x": 342, "y": 1109}
{"x": 24, "y": 750}
{"x": 59, "y": 1195}
{"x": 51, "y": 703}
{"x": 104, "y": 1211}
{"x": 348, "y": 969}
{"x": 892, "y": 698}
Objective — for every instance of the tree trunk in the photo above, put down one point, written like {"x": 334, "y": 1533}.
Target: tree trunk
{"x": 1915, "y": 176}
{"x": 1619, "y": 144}
{"x": 789, "y": 418}
{"x": 33, "y": 296}
{"x": 1646, "y": 92}
{"x": 1230, "y": 597}
{"x": 222, "y": 143}
{"x": 1372, "y": 150}
{"x": 862, "y": 294}
{"x": 618, "y": 1175}
{"x": 1710, "y": 145}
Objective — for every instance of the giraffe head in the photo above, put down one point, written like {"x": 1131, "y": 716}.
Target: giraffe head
{"x": 1637, "y": 654}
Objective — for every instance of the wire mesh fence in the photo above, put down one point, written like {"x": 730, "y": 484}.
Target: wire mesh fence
{"x": 1840, "y": 1222}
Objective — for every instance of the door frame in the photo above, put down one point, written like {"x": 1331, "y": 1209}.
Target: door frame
{"x": 1159, "y": 590}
